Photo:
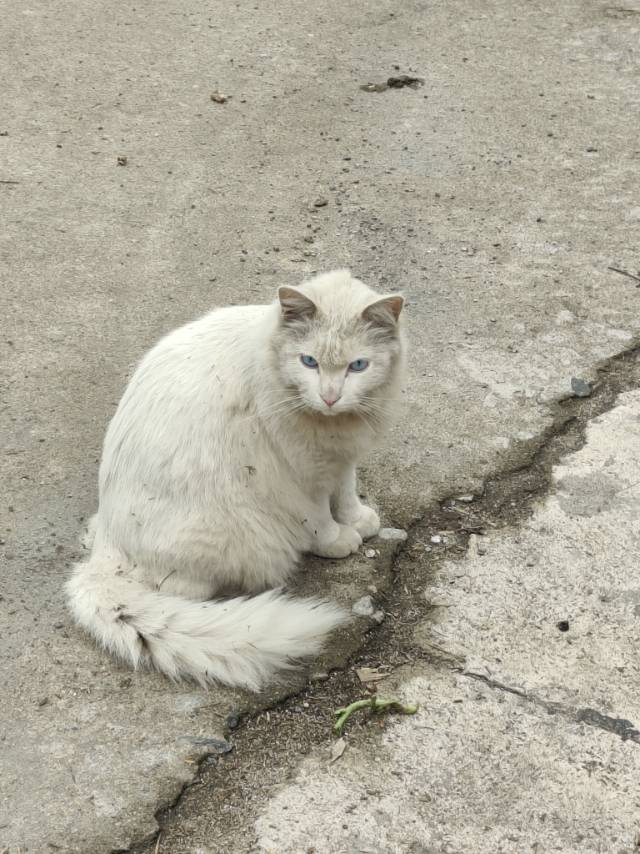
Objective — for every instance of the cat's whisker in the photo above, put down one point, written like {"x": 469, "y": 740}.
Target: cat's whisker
{"x": 286, "y": 410}
{"x": 273, "y": 408}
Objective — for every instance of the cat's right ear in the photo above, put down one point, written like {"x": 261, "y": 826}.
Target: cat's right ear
{"x": 296, "y": 307}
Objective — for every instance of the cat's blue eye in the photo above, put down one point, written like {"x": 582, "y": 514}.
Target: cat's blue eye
{"x": 308, "y": 361}
{"x": 359, "y": 365}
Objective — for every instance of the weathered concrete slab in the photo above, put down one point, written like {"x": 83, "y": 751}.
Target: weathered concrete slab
{"x": 555, "y": 608}
{"x": 497, "y": 196}
{"x": 535, "y": 745}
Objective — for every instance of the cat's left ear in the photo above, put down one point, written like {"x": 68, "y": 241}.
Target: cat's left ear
{"x": 295, "y": 305}
{"x": 384, "y": 312}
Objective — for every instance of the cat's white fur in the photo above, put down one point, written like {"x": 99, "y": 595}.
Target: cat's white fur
{"x": 222, "y": 465}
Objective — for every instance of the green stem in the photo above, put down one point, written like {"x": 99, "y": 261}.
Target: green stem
{"x": 373, "y": 703}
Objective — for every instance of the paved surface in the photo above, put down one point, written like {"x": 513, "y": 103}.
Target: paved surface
{"x": 496, "y": 196}
{"x": 532, "y": 741}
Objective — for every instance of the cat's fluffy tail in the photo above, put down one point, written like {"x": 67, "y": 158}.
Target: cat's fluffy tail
{"x": 241, "y": 642}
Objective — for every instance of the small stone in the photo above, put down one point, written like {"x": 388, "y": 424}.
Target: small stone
{"x": 482, "y": 548}
{"x": 320, "y": 676}
{"x": 42, "y": 701}
{"x": 378, "y": 617}
{"x": 563, "y": 625}
{"x": 122, "y": 160}
{"x": 219, "y": 98}
{"x": 364, "y": 607}
{"x": 466, "y": 498}
{"x": 580, "y": 387}
{"x": 392, "y": 534}
{"x": 321, "y": 203}
{"x": 370, "y": 552}
{"x": 232, "y": 721}
{"x": 436, "y": 539}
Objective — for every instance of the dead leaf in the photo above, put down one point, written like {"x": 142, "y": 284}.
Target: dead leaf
{"x": 369, "y": 674}
{"x": 338, "y": 749}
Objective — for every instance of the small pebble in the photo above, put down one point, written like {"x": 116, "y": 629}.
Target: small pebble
{"x": 378, "y": 617}
{"x": 466, "y": 498}
{"x": 392, "y": 534}
{"x": 364, "y": 607}
{"x": 580, "y": 387}
{"x": 436, "y": 539}
{"x": 321, "y": 203}
{"x": 370, "y": 552}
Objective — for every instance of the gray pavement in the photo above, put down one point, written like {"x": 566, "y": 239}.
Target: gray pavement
{"x": 496, "y": 196}
{"x": 532, "y": 741}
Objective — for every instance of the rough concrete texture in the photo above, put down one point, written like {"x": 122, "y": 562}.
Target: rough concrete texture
{"x": 496, "y": 196}
{"x": 556, "y": 608}
{"x": 529, "y": 745}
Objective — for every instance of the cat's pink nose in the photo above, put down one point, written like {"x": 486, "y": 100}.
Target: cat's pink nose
{"x": 330, "y": 399}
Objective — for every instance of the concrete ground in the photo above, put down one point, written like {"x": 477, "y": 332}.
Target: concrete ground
{"x": 531, "y": 740}
{"x": 498, "y": 195}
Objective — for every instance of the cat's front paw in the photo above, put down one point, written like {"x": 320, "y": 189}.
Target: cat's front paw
{"x": 368, "y": 522}
{"x": 348, "y": 541}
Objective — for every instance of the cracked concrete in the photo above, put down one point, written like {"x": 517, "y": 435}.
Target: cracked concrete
{"x": 496, "y": 196}
{"x": 531, "y": 742}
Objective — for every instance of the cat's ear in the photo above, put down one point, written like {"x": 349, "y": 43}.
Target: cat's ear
{"x": 295, "y": 305}
{"x": 384, "y": 312}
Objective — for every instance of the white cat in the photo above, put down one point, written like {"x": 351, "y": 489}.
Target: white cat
{"x": 233, "y": 452}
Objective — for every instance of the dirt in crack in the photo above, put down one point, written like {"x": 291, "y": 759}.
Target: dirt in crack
{"x": 217, "y": 813}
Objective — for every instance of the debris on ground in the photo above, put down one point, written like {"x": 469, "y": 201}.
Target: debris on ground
{"x": 403, "y": 80}
{"x": 364, "y": 607}
{"x": 476, "y": 546}
{"x": 219, "y": 98}
{"x": 122, "y": 160}
{"x": 398, "y": 82}
{"x": 374, "y": 705}
{"x": 580, "y": 387}
{"x": 368, "y": 675}
{"x": 338, "y": 749}
{"x": 374, "y": 87}
{"x": 321, "y": 202}
{"x": 392, "y": 534}
{"x": 627, "y": 273}
{"x": 370, "y": 553}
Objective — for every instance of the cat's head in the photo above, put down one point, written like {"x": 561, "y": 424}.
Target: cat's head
{"x": 338, "y": 344}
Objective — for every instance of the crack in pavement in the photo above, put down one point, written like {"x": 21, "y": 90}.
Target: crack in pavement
{"x": 293, "y": 726}
{"x": 621, "y": 727}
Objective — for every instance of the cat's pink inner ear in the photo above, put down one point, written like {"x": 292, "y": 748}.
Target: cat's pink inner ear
{"x": 295, "y": 305}
{"x": 385, "y": 311}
